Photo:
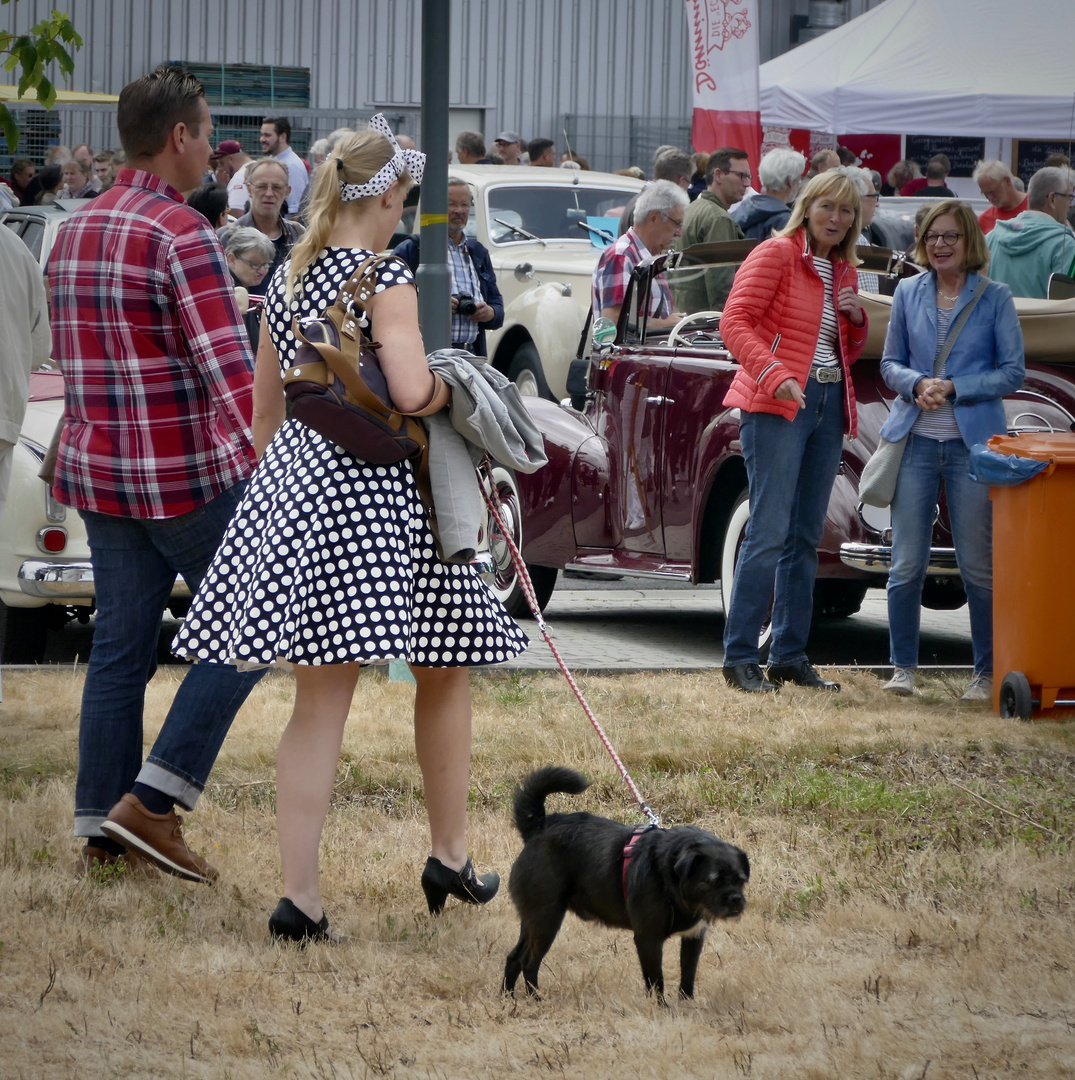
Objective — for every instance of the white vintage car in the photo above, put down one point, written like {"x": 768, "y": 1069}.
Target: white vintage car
{"x": 542, "y": 228}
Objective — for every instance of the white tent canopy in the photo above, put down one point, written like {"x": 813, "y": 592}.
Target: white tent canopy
{"x": 973, "y": 68}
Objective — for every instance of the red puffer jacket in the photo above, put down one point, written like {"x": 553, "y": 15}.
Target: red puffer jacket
{"x": 771, "y": 324}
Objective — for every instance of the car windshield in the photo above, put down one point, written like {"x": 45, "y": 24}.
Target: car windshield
{"x": 553, "y": 213}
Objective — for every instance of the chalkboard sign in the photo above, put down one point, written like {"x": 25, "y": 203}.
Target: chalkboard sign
{"x": 1030, "y": 155}
{"x": 963, "y": 153}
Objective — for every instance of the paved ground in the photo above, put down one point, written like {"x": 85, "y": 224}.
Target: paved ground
{"x": 614, "y": 626}
{"x": 635, "y": 625}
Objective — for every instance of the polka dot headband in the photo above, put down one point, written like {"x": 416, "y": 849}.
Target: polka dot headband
{"x": 411, "y": 160}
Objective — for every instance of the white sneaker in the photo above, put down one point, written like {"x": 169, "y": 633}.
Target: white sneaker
{"x": 901, "y": 683}
{"x": 980, "y": 688}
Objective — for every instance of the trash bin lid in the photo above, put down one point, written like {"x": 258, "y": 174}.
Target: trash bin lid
{"x": 1055, "y": 446}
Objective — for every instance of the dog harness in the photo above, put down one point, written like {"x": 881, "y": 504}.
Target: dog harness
{"x": 628, "y": 850}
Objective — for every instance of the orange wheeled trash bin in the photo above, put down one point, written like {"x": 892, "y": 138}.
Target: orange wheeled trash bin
{"x": 1034, "y": 580}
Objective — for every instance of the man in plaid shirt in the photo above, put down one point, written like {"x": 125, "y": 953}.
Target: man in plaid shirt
{"x": 155, "y": 455}
{"x": 658, "y": 215}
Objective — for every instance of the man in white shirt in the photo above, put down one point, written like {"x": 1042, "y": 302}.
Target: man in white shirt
{"x": 276, "y": 142}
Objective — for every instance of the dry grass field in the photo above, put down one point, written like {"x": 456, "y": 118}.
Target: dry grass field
{"x": 910, "y": 912}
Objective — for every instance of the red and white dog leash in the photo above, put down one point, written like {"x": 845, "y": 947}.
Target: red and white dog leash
{"x": 492, "y": 500}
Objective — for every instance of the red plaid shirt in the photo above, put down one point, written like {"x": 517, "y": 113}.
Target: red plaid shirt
{"x": 613, "y": 272}
{"x": 157, "y": 364}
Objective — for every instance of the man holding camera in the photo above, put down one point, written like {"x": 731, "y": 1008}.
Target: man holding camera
{"x": 477, "y": 305}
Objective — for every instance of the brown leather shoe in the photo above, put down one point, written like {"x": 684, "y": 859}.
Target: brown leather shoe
{"x": 159, "y": 837}
{"x": 95, "y": 861}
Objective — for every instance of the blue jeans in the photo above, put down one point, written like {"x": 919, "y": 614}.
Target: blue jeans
{"x": 791, "y": 466}
{"x": 135, "y": 562}
{"x": 926, "y": 462}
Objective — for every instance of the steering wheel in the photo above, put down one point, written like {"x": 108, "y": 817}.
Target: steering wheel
{"x": 675, "y": 339}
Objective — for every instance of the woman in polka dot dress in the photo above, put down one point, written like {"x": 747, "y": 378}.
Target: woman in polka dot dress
{"x": 329, "y": 562}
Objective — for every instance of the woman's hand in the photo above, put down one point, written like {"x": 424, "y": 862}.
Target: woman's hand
{"x": 847, "y": 301}
{"x": 931, "y": 394}
{"x": 790, "y": 390}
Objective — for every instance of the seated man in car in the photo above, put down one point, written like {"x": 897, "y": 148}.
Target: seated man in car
{"x": 658, "y": 218}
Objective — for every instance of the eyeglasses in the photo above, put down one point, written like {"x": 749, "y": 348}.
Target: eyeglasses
{"x": 260, "y": 189}
{"x": 1069, "y": 195}
{"x": 875, "y": 195}
{"x": 744, "y": 176}
{"x": 949, "y": 238}
{"x": 258, "y": 268}
{"x": 678, "y": 222}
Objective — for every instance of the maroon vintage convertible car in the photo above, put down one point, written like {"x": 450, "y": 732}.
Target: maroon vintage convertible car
{"x": 646, "y": 474}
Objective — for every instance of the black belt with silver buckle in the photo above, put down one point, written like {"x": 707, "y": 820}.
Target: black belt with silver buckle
{"x": 826, "y": 373}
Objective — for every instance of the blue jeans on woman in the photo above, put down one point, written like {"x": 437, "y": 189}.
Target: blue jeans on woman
{"x": 926, "y": 462}
{"x": 791, "y": 466}
{"x": 135, "y": 562}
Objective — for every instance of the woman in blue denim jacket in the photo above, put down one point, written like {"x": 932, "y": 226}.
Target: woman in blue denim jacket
{"x": 944, "y": 415}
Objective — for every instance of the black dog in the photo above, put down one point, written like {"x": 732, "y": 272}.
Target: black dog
{"x": 675, "y": 882}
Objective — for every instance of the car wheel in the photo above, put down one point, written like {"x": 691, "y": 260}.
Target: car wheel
{"x": 505, "y": 585}
{"x": 835, "y": 599}
{"x": 943, "y": 593}
{"x": 734, "y": 535}
{"x": 527, "y": 373}
{"x": 24, "y": 633}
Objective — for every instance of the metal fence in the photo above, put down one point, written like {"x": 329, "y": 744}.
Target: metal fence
{"x": 607, "y": 142}
{"x": 610, "y": 143}
{"x": 96, "y": 125}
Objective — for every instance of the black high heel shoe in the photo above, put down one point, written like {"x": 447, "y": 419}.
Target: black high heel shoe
{"x": 288, "y": 923}
{"x": 438, "y": 881}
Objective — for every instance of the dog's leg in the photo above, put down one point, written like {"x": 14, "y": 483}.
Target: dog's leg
{"x": 651, "y": 957}
{"x": 514, "y": 965}
{"x": 539, "y": 939}
{"x": 690, "y": 951}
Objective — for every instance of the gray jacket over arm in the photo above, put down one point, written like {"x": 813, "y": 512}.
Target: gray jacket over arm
{"x": 486, "y": 415}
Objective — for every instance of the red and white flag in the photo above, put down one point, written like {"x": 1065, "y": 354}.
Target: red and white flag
{"x": 724, "y": 69}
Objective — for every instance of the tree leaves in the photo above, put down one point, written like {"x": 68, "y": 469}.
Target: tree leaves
{"x": 32, "y": 53}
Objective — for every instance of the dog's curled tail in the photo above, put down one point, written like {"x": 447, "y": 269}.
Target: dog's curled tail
{"x": 530, "y": 795}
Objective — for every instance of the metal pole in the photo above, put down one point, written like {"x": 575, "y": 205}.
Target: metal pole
{"x": 434, "y": 281}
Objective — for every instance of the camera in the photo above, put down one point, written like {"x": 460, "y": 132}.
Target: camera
{"x": 466, "y": 305}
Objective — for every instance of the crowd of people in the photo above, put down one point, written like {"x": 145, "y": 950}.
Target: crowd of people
{"x": 300, "y": 553}
{"x": 791, "y": 317}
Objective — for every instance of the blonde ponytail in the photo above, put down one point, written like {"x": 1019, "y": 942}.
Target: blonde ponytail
{"x": 354, "y": 160}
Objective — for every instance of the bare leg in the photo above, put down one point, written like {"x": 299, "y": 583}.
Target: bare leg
{"x": 305, "y": 772}
{"x": 442, "y": 742}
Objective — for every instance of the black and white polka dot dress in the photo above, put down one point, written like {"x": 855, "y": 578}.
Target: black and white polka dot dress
{"x": 329, "y": 560}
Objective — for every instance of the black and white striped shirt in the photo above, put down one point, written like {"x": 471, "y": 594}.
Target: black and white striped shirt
{"x": 939, "y": 424}
{"x": 825, "y": 353}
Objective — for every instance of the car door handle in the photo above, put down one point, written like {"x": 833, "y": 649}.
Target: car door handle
{"x": 658, "y": 400}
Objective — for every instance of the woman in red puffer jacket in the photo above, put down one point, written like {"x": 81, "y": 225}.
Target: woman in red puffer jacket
{"x": 794, "y": 323}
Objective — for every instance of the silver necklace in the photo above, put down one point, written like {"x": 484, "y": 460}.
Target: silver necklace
{"x": 944, "y": 296}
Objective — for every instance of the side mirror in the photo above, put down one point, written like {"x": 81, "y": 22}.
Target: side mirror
{"x": 604, "y": 331}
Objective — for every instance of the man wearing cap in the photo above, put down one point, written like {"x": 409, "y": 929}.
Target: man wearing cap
{"x": 230, "y": 152}
{"x": 508, "y": 145}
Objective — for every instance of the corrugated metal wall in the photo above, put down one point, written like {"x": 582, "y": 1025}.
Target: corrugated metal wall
{"x": 520, "y": 64}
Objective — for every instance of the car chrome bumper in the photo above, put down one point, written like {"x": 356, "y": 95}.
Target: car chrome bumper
{"x": 877, "y": 559}
{"x": 70, "y": 582}
{"x": 57, "y": 581}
